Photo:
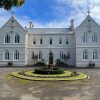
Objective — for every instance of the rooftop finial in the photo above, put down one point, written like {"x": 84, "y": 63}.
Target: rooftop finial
{"x": 88, "y": 12}
{"x": 12, "y": 12}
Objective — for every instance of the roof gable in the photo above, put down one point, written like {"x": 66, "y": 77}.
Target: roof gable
{"x": 86, "y": 22}
{"x": 12, "y": 22}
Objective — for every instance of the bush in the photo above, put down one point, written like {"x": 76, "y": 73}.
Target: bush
{"x": 74, "y": 73}
{"x": 59, "y": 63}
{"x": 48, "y": 71}
{"x": 91, "y": 65}
{"x": 40, "y": 64}
{"x": 10, "y": 63}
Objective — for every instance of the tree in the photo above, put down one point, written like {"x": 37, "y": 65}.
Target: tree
{"x": 8, "y": 4}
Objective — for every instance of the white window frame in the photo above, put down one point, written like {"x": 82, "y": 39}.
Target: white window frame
{"x": 40, "y": 55}
{"x": 95, "y": 55}
{"x": 94, "y": 38}
{"x": 19, "y": 39}
{"x": 5, "y": 54}
{"x": 14, "y": 55}
{"x": 85, "y": 55}
{"x": 6, "y": 40}
{"x": 85, "y": 37}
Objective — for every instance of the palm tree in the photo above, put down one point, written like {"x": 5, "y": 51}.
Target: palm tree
{"x": 8, "y": 4}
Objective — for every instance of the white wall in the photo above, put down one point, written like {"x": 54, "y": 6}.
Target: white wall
{"x": 89, "y": 45}
{"x": 11, "y": 47}
{"x": 56, "y": 48}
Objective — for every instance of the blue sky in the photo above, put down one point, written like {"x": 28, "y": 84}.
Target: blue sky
{"x": 53, "y": 13}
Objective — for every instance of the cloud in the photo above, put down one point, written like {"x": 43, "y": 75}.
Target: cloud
{"x": 4, "y": 15}
{"x": 63, "y": 10}
{"x": 78, "y": 10}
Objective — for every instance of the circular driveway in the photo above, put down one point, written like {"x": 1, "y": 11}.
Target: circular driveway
{"x": 16, "y": 89}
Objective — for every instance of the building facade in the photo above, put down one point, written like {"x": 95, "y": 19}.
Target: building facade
{"x": 25, "y": 46}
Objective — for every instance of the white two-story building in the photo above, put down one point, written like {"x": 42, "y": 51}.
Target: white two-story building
{"x": 26, "y": 46}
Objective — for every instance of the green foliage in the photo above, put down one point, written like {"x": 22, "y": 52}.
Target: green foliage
{"x": 48, "y": 71}
{"x": 10, "y": 63}
{"x": 59, "y": 63}
{"x": 38, "y": 64}
{"x": 56, "y": 77}
{"x": 8, "y": 4}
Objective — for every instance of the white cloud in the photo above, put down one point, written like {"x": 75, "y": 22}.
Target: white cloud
{"x": 62, "y": 13}
{"x": 79, "y": 10}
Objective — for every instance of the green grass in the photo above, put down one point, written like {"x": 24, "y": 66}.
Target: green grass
{"x": 29, "y": 75}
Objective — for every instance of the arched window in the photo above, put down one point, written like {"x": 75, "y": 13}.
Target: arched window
{"x": 16, "y": 55}
{"x": 95, "y": 54}
{"x": 32, "y": 55}
{"x": 7, "y": 38}
{"x": 41, "y": 41}
{"x": 17, "y": 38}
{"x": 68, "y": 55}
{"x": 94, "y": 38}
{"x": 67, "y": 40}
{"x": 61, "y": 55}
{"x": 6, "y": 55}
{"x": 40, "y": 55}
{"x": 85, "y": 54}
{"x": 50, "y": 40}
{"x": 85, "y": 36}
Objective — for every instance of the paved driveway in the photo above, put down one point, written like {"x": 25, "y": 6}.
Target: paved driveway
{"x": 16, "y": 89}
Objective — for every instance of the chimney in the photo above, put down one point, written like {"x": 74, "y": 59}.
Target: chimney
{"x": 30, "y": 25}
{"x": 72, "y": 24}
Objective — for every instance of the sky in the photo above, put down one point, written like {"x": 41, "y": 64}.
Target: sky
{"x": 53, "y": 13}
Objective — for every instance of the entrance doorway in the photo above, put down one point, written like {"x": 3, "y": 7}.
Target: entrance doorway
{"x": 50, "y": 58}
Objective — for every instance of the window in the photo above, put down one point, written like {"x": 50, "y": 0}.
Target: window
{"x": 40, "y": 55}
{"x": 32, "y": 55}
{"x": 95, "y": 54}
{"x": 61, "y": 55}
{"x": 60, "y": 41}
{"x": 89, "y": 20}
{"x": 41, "y": 41}
{"x": 17, "y": 38}
{"x": 67, "y": 40}
{"x": 94, "y": 38}
{"x": 16, "y": 55}
{"x": 50, "y": 40}
{"x": 85, "y": 37}
{"x": 85, "y": 54}
{"x": 7, "y": 38}
{"x": 34, "y": 41}
{"x": 68, "y": 55}
{"x": 6, "y": 55}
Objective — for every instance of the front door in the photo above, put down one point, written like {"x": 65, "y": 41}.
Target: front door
{"x": 50, "y": 58}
